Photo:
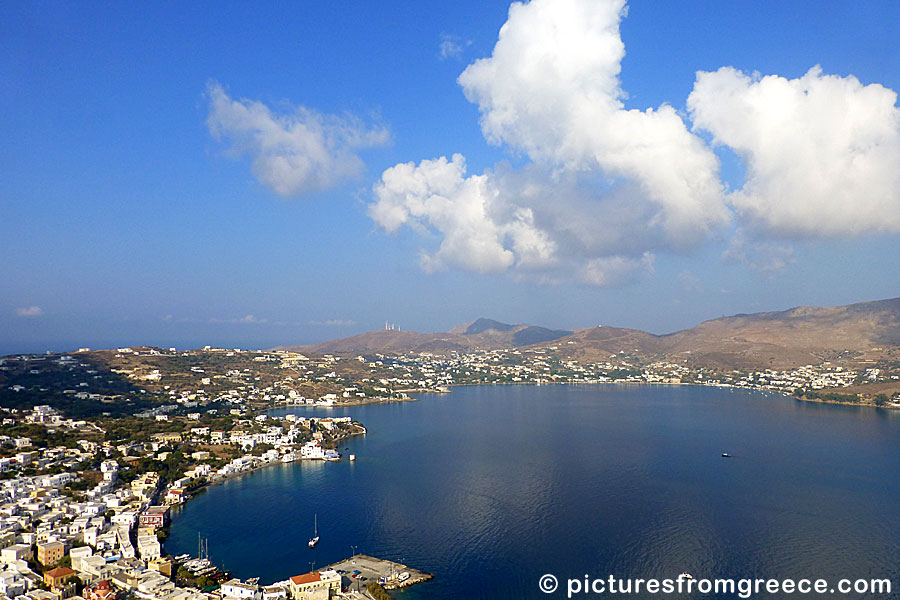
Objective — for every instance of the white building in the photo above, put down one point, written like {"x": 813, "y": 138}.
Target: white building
{"x": 110, "y": 469}
{"x": 149, "y": 547}
{"x": 234, "y": 588}
{"x": 312, "y": 450}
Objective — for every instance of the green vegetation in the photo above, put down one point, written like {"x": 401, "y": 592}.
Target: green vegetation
{"x": 42, "y": 437}
{"x": 79, "y": 389}
{"x": 830, "y": 396}
{"x": 623, "y": 373}
{"x": 377, "y": 591}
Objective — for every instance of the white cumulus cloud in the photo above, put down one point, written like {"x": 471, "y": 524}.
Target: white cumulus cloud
{"x": 294, "y": 152}
{"x": 551, "y": 89}
{"x": 30, "y": 311}
{"x": 822, "y": 152}
{"x": 606, "y": 188}
{"x": 478, "y": 232}
{"x": 605, "y": 185}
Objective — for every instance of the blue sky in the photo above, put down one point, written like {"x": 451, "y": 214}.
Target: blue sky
{"x": 156, "y": 184}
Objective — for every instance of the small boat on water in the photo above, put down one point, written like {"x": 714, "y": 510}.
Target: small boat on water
{"x": 726, "y": 455}
{"x": 352, "y": 457}
{"x": 685, "y": 575}
{"x": 315, "y": 539}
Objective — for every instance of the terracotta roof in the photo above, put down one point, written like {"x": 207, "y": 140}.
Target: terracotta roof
{"x": 308, "y": 578}
{"x": 60, "y": 572}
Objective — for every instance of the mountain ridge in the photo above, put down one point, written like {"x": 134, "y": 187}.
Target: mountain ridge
{"x": 864, "y": 331}
{"x": 481, "y": 334}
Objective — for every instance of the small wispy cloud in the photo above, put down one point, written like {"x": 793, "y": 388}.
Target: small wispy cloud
{"x": 334, "y": 323}
{"x": 174, "y": 319}
{"x": 452, "y": 46}
{"x": 251, "y": 319}
{"x": 295, "y": 152}
{"x": 30, "y": 311}
{"x": 761, "y": 255}
{"x": 690, "y": 282}
{"x": 617, "y": 270}
{"x": 245, "y": 320}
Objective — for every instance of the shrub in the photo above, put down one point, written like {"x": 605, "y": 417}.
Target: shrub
{"x": 377, "y": 591}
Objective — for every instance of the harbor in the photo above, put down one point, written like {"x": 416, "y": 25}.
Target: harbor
{"x": 361, "y": 569}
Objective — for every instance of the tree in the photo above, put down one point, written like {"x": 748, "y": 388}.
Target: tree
{"x": 261, "y": 449}
{"x": 376, "y": 591}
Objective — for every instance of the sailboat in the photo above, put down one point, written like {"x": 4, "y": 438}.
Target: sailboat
{"x": 315, "y": 539}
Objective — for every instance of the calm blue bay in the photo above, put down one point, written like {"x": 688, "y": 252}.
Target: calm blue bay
{"x": 491, "y": 487}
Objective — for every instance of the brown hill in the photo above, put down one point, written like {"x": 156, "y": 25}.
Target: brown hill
{"x": 790, "y": 338}
{"x": 483, "y": 334}
{"x": 795, "y": 337}
{"x": 799, "y": 336}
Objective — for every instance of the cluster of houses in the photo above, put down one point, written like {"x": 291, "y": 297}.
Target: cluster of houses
{"x": 316, "y": 585}
{"x": 86, "y": 549}
{"x": 393, "y": 375}
{"x": 52, "y": 546}
{"x": 243, "y": 385}
{"x": 283, "y": 437}
{"x": 102, "y": 544}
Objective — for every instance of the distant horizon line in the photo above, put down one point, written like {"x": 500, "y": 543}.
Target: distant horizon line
{"x": 75, "y": 347}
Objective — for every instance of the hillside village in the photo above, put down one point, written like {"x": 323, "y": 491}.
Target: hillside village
{"x": 88, "y": 518}
{"x": 156, "y": 382}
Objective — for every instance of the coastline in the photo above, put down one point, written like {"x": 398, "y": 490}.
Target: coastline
{"x": 223, "y": 478}
{"x": 449, "y": 389}
{"x": 722, "y": 399}
{"x": 367, "y": 401}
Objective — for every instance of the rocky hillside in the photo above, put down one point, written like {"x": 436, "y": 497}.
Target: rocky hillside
{"x": 482, "y": 334}
{"x": 790, "y": 338}
{"x": 799, "y": 336}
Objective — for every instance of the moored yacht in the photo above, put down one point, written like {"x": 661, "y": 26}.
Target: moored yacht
{"x": 315, "y": 539}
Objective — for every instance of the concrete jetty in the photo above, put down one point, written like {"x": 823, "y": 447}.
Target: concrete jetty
{"x": 360, "y": 569}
